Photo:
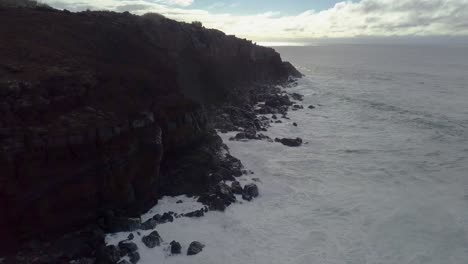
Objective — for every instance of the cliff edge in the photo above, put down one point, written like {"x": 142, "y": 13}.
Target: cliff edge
{"x": 79, "y": 96}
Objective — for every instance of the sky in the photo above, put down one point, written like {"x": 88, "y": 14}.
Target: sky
{"x": 304, "y": 21}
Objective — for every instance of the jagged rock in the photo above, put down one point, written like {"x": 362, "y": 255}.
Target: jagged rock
{"x": 251, "y": 190}
{"x": 167, "y": 217}
{"x": 224, "y": 192}
{"x": 152, "y": 240}
{"x": 246, "y": 196}
{"x": 236, "y": 187}
{"x": 134, "y": 257}
{"x": 195, "y": 248}
{"x": 297, "y": 96}
{"x": 108, "y": 255}
{"x": 179, "y": 202}
{"x": 226, "y": 174}
{"x": 311, "y": 107}
{"x": 196, "y": 213}
{"x": 149, "y": 224}
{"x": 130, "y": 236}
{"x": 176, "y": 248}
{"x": 291, "y": 142}
{"x": 126, "y": 247}
{"x": 297, "y": 107}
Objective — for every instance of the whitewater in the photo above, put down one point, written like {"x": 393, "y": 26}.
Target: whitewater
{"x": 381, "y": 179}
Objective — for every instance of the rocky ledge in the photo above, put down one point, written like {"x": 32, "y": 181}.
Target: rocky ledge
{"x": 80, "y": 97}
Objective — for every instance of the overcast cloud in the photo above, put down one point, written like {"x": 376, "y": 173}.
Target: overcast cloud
{"x": 366, "y": 18}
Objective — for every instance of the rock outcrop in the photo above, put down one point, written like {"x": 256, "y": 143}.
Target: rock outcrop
{"x": 80, "y": 96}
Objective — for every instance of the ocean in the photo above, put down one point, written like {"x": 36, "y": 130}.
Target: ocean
{"x": 381, "y": 179}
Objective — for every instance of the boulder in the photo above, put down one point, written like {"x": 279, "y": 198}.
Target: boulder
{"x": 236, "y": 187}
{"x": 290, "y": 142}
{"x": 126, "y": 247}
{"x": 152, "y": 240}
{"x": 130, "y": 236}
{"x": 195, "y": 248}
{"x": 176, "y": 248}
{"x": 134, "y": 257}
{"x": 296, "y": 96}
{"x": 196, "y": 213}
{"x": 251, "y": 190}
{"x": 224, "y": 192}
{"x": 311, "y": 107}
{"x": 295, "y": 124}
{"x": 149, "y": 224}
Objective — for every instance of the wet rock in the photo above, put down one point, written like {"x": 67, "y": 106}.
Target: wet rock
{"x": 251, "y": 190}
{"x": 167, "y": 217}
{"x": 195, "y": 248}
{"x": 196, "y": 213}
{"x": 149, "y": 224}
{"x": 126, "y": 247}
{"x": 130, "y": 236}
{"x": 296, "y": 96}
{"x": 278, "y": 121}
{"x": 290, "y": 142}
{"x": 134, "y": 257}
{"x": 236, "y": 187}
{"x": 311, "y": 107}
{"x": 224, "y": 192}
{"x": 176, "y": 248}
{"x": 295, "y": 124}
{"x": 179, "y": 202}
{"x": 152, "y": 240}
{"x": 297, "y": 107}
{"x": 274, "y": 117}
{"x": 124, "y": 261}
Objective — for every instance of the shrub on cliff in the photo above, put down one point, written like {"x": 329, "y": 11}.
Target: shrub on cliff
{"x": 23, "y": 3}
{"x": 197, "y": 24}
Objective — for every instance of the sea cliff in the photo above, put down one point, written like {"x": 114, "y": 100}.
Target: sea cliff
{"x": 79, "y": 95}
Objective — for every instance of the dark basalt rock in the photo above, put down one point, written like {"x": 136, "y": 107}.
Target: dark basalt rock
{"x": 130, "y": 236}
{"x": 295, "y": 124}
{"x": 134, "y": 257}
{"x": 195, "y": 248}
{"x": 311, "y": 107}
{"x": 179, "y": 202}
{"x": 124, "y": 261}
{"x": 296, "y": 96}
{"x": 224, "y": 192}
{"x": 236, "y": 187}
{"x": 152, "y": 240}
{"x": 149, "y": 224}
{"x": 290, "y": 142}
{"x": 176, "y": 248}
{"x": 251, "y": 190}
{"x": 126, "y": 247}
{"x": 196, "y": 213}
{"x": 297, "y": 107}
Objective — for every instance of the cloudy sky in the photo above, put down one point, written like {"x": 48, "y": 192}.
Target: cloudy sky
{"x": 304, "y": 21}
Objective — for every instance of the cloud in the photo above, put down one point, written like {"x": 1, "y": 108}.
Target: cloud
{"x": 366, "y": 18}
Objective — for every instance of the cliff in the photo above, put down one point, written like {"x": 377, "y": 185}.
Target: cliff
{"x": 79, "y": 95}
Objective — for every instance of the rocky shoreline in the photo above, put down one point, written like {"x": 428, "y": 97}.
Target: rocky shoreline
{"x": 77, "y": 110}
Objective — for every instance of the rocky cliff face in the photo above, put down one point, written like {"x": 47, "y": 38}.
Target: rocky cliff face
{"x": 79, "y": 96}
